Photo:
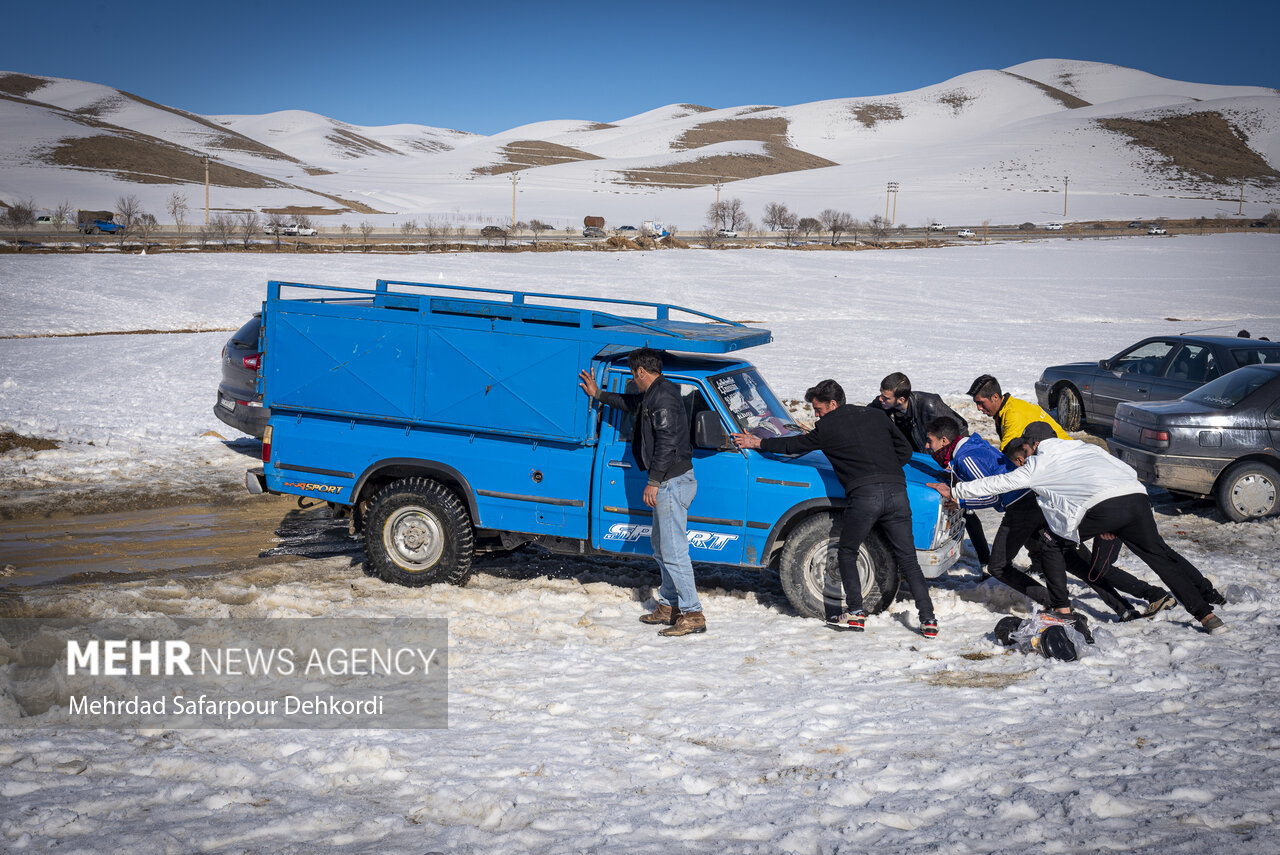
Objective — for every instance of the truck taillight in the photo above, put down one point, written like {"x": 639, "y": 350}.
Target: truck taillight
{"x": 1154, "y": 437}
{"x": 266, "y": 445}
{"x": 253, "y": 361}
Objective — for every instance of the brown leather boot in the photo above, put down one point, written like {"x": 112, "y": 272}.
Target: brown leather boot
{"x": 662, "y": 614}
{"x": 687, "y": 624}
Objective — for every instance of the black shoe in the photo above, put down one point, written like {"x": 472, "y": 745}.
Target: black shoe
{"x": 1130, "y": 614}
{"x": 1215, "y": 598}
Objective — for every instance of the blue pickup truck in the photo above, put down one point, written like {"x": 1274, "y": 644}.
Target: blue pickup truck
{"x": 100, "y": 227}
{"x": 448, "y": 421}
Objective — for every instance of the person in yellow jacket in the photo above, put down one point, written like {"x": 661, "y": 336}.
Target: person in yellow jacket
{"x": 1011, "y": 415}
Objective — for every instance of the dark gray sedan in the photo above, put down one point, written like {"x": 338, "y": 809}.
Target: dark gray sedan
{"x": 1220, "y": 440}
{"x": 239, "y": 404}
{"x": 1160, "y": 368}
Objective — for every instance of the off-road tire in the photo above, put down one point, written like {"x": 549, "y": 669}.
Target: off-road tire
{"x": 418, "y": 532}
{"x": 815, "y": 539}
{"x": 1070, "y": 409}
{"x": 1248, "y": 491}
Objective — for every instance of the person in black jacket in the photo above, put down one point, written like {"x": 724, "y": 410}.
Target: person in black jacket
{"x": 912, "y": 411}
{"x": 660, "y": 443}
{"x": 867, "y": 453}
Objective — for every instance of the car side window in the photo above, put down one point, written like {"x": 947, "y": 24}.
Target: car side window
{"x": 1193, "y": 363}
{"x": 1255, "y": 355}
{"x": 1144, "y": 359}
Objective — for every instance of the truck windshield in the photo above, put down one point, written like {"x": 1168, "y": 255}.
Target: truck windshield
{"x": 753, "y": 405}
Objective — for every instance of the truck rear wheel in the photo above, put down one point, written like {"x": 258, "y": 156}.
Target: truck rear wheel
{"x": 809, "y": 566}
{"x": 417, "y": 532}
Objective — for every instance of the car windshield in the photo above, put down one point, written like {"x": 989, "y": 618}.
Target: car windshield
{"x": 1230, "y": 389}
{"x": 753, "y": 405}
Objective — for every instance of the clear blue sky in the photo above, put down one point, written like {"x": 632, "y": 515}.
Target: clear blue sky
{"x": 487, "y": 66}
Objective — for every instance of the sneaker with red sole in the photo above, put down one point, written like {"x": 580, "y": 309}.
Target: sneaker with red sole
{"x": 849, "y": 622}
{"x": 929, "y": 629}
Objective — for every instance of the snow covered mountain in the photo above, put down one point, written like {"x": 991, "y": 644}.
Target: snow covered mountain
{"x": 988, "y": 145}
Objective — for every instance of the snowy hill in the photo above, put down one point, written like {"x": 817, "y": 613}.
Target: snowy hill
{"x": 987, "y": 145}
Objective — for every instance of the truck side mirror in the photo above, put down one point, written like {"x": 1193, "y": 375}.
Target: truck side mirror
{"x": 708, "y": 432}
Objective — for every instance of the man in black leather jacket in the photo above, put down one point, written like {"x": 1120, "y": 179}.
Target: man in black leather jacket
{"x": 912, "y": 411}
{"x": 660, "y": 443}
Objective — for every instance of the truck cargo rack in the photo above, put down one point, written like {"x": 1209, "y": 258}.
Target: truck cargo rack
{"x": 517, "y": 313}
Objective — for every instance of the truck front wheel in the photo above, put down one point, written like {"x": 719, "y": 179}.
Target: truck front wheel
{"x": 417, "y": 532}
{"x": 809, "y": 566}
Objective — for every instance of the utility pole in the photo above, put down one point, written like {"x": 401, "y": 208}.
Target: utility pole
{"x": 718, "y": 184}
{"x": 891, "y": 191}
{"x": 1065, "y": 181}
{"x": 515, "y": 179}
{"x": 1240, "y": 210}
{"x": 205, "y": 160}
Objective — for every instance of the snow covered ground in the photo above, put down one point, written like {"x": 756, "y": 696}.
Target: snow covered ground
{"x": 572, "y": 726}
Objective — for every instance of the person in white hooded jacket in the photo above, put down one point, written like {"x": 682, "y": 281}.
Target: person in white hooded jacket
{"x": 1085, "y": 492}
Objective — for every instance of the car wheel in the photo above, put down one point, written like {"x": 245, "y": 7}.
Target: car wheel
{"x": 417, "y": 532}
{"x": 1070, "y": 410}
{"x": 808, "y": 569}
{"x": 1248, "y": 491}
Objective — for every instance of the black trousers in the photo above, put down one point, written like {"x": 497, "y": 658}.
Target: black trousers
{"x": 886, "y": 506}
{"x": 1108, "y": 586}
{"x": 1130, "y": 519}
{"x": 977, "y": 537}
{"x": 1022, "y": 521}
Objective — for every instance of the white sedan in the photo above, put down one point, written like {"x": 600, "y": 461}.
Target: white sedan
{"x": 965, "y": 233}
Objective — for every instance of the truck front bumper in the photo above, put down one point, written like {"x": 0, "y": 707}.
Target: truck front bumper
{"x": 935, "y": 562}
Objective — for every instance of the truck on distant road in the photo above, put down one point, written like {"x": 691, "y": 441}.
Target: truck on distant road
{"x": 447, "y": 422}
{"x": 97, "y": 222}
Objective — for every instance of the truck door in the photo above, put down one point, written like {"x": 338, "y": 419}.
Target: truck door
{"x": 622, "y": 522}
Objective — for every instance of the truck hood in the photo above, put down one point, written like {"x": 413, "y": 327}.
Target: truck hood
{"x": 920, "y": 471}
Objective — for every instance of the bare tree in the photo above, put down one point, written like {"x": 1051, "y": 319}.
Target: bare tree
{"x": 144, "y": 227}
{"x": 775, "y": 214}
{"x": 248, "y": 225}
{"x": 127, "y": 210}
{"x": 986, "y": 227}
{"x": 878, "y": 228}
{"x": 346, "y": 230}
{"x": 434, "y": 229}
{"x": 62, "y": 216}
{"x": 303, "y": 221}
{"x": 835, "y": 222}
{"x": 788, "y": 225}
{"x": 177, "y": 208}
{"x": 204, "y": 234}
{"x": 807, "y": 226}
{"x": 366, "y": 229}
{"x": 275, "y": 226}
{"x": 224, "y": 227}
{"x": 408, "y": 228}
{"x": 709, "y": 236}
{"x": 19, "y": 215}
{"x": 538, "y": 227}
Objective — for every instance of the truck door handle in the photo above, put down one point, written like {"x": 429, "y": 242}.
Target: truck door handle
{"x": 620, "y": 464}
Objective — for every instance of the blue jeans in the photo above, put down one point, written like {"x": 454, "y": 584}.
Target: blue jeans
{"x": 670, "y": 542}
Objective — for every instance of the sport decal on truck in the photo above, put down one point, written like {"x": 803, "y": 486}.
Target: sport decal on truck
{"x": 318, "y": 488}
{"x": 699, "y": 539}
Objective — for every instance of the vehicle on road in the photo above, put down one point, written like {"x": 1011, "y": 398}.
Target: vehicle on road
{"x": 965, "y": 233}
{"x": 726, "y": 233}
{"x": 1259, "y": 224}
{"x": 593, "y": 232}
{"x": 448, "y": 421}
{"x": 1135, "y": 225}
{"x": 1218, "y": 441}
{"x": 1053, "y": 227}
{"x": 101, "y": 227}
{"x": 937, "y": 227}
{"x": 1159, "y": 368}
{"x": 627, "y": 228}
{"x": 493, "y": 232}
{"x": 1156, "y": 230}
{"x": 239, "y": 402}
